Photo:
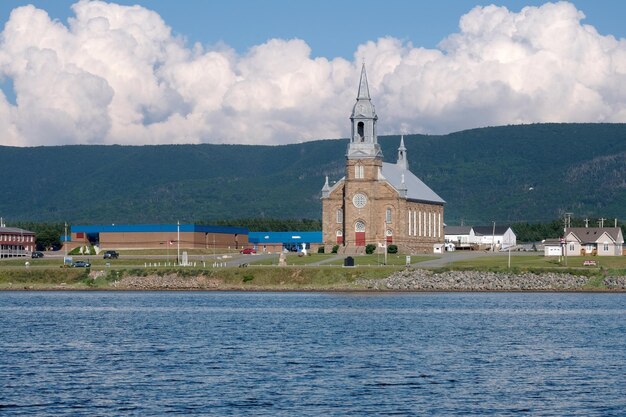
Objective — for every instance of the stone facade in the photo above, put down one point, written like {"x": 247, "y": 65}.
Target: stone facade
{"x": 377, "y": 202}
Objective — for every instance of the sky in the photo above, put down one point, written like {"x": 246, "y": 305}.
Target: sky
{"x": 278, "y": 72}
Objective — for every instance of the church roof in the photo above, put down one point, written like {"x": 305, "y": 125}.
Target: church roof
{"x": 415, "y": 188}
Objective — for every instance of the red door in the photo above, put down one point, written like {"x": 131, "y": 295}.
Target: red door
{"x": 339, "y": 240}
{"x": 359, "y": 238}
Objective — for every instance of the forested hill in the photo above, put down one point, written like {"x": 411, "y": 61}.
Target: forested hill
{"x": 505, "y": 174}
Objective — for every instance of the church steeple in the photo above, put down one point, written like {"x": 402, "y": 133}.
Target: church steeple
{"x": 402, "y": 159}
{"x": 364, "y": 89}
{"x": 363, "y": 142}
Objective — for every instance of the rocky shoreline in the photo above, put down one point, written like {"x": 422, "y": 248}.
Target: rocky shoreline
{"x": 425, "y": 280}
{"x": 308, "y": 280}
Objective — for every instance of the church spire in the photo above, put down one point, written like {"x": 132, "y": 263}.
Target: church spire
{"x": 402, "y": 160}
{"x": 364, "y": 90}
{"x": 364, "y": 142}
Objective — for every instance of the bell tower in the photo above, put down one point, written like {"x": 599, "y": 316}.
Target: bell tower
{"x": 364, "y": 142}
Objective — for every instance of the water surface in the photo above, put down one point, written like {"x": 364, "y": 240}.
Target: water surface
{"x": 288, "y": 354}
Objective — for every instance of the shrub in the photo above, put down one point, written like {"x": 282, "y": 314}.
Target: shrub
{"x": 335, "y": 249}
{"x": 320, "y": 249}
{"x": 369, "y": 249}
{"x": 392, "y": 249}
{"x": 248, "y": 278}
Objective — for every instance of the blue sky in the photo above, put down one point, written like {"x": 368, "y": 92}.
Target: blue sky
{"x": 285, "y": 71}
{"x": 331, "y": 28}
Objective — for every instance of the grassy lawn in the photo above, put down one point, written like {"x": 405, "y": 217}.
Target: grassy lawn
{"x": 293, "y": 259}
{"x": 375, "y": 260}
{"x": 488, "y": 262}
{"x": 359, "y": 260}
{"x": 95, "y": 262}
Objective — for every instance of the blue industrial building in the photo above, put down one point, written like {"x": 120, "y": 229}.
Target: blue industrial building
{"x": 290, "y": 241}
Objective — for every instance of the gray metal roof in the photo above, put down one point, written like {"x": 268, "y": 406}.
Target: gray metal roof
{"x": 591, "y": 234}
{"x": 489, "y": 230}
{"x": 457, "y": 230}
{"x": 15, "y": 230}
{"x": 415, "y": 188}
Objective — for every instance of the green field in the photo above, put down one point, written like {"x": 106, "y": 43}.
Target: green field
{"x": 538, "y": 261}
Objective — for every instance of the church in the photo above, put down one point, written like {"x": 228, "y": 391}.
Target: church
{"x": 378, "y": 202}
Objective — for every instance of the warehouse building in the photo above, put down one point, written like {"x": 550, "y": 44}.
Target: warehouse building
{"x": 158, "y": 236}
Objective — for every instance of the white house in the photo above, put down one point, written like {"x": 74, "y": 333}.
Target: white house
{"x": 460, "y": 236}
{"x": 600, "y": 241}
{"x": 501, "y": 237}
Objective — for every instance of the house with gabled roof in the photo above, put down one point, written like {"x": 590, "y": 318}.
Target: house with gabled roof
{"x": 498, "y": 237}
{"x": 600, "y": 241}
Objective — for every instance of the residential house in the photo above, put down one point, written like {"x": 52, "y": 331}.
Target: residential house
{"x": 600, "y": 241}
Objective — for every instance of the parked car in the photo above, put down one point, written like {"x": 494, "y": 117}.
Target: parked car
{"x": 247, "y": 251}
{"x": 111, "y": 254}
{"x": 81, "y": 264}
{"x": 36, "y": 254}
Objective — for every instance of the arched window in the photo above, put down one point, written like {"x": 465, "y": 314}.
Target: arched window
{"x": 388, "y": 215}
{"x": 361, "y": 131}
{"x": 339, "y": 215}
{"x": 358, "y": 171}
{"x": 359, "y": 226}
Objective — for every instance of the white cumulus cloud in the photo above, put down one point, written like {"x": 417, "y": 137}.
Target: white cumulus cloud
{"x": 117, "y": 74}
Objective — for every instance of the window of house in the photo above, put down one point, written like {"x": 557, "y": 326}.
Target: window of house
{"x": 388, "y": 215}
{"x": 606, "y": 247}
{"x": 359, "y": 226}
{"x": 339, "y": 216}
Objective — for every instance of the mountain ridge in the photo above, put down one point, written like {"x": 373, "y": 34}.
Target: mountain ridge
{"x": 505, "y": 174}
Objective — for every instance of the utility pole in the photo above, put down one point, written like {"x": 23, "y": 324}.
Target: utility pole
{"x": 65, "y": 241}
{"x": 601, "y": 222}
{"x": 586, "y": 223}
{"x": 178, "y": 242}
{"x": 567, "y": 220}
{"x": 493, "y": 237}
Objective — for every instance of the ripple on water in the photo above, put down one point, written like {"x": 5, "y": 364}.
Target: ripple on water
{"x": 312, "y": 354}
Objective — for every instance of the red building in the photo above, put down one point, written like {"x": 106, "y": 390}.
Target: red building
{"x": 16, "y": 242}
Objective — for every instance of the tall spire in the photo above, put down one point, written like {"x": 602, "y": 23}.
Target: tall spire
{"x": 363, "y": 142}
{"x": 402, "y": 160}
{"x": 364, "y": 90}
